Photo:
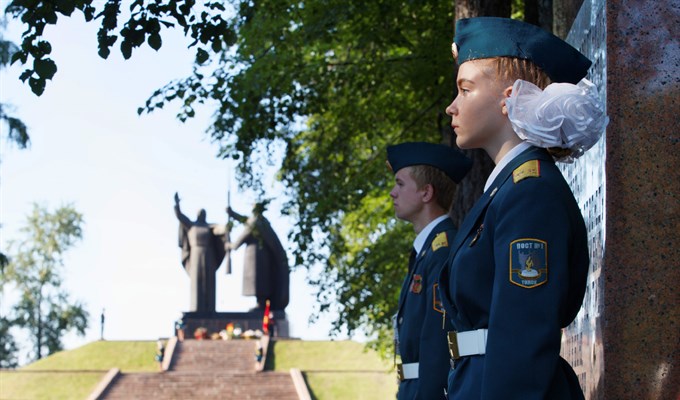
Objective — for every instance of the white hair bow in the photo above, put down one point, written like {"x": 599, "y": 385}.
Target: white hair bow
{"x": 563, "y": 115}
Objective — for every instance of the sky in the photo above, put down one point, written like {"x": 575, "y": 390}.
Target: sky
{"x": 89, "y": 148}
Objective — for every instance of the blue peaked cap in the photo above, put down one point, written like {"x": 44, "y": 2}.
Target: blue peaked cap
{"x": 445, "y": 158}
{"x": 487, "y": 37}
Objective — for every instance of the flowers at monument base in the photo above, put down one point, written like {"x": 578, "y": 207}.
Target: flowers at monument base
{"x": 250, "y": 334}
{"x": 200, "y": 333}
{"x": 232, "y": 331}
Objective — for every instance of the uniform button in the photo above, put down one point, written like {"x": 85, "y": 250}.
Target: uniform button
{"x": 401, "y": 320}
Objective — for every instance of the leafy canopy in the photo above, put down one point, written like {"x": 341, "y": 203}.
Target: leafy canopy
{"x": 331, "y": 82}
{"x": 16, "y": 130}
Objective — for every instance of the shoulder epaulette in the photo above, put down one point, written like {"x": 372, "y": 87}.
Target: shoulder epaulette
{"x": 441, "y": 240}
{"x": 530, "y": 169}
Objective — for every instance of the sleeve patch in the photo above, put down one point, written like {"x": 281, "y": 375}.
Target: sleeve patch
{"x": 441, "y": 240}
{"x": 528, "y": 262}
{"x": 530, "y": 169}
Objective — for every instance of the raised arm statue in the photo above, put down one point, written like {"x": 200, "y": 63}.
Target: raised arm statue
{"x": 265, "y": 273}
{"x": 202, "y": 254}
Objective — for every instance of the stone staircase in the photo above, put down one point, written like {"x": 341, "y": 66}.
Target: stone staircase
{"x": 206, "y": 369}
{"x": 230, "y": 356}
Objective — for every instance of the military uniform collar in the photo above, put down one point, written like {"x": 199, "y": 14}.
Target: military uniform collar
{"x": 509, "y": 156}
{"x": 471, "y": 219}
{"x": 420, "y": 240}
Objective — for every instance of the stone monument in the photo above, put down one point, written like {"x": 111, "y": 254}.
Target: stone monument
{"x": 202, "y": 254}
{"x": 625, "y": 342}
{"x": 265, "y": 271}
{"x": 204, "y": 247}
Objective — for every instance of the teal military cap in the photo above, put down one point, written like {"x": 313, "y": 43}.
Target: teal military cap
{"x": 487, "y": 37}
{"x": 445, "y": 158}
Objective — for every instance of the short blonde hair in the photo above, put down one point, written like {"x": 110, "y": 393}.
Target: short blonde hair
{"x": 512, "y": 69}
{"x": 444, "y": 187}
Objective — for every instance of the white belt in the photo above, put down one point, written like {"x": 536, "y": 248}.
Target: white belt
{"x": 407, "y": 371}
{"x": 467, "y": 343}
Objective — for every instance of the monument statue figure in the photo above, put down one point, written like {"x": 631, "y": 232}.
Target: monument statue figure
{"x": 265, "y": 273}
{"x": 202, "y": 254}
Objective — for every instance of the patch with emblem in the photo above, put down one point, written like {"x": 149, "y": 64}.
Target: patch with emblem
{"x": 441, "y": 240}
{"x": 528, "y": 262}
{"x": 436, "y": 300}
{"x": 530, "y": 169}
{"x": 417, "y": 284}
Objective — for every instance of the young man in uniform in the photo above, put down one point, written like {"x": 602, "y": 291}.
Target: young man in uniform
{"x": 425, "y": 175}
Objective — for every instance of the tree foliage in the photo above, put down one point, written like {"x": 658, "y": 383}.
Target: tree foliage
{"x": 8, "y": 346}
{"x": 336, "y": 82}
{"x": 34, "y": 270}
{"x": 201, "y": 21}
{"x": 332, "y": 82}
{"x": 17, "y": 132}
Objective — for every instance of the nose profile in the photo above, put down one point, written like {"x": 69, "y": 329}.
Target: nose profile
{"x": 451, "y": 110}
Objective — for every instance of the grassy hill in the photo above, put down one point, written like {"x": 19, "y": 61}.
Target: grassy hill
{"x": 336, "y": 369}
{"x": 73, "y": 374}
{"x": 333, "y": 369}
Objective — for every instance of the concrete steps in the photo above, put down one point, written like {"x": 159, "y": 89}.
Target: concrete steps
{"x": 214, "y": 355}
{"x": 207, "y": 385}
{"x": 206, "y": 369}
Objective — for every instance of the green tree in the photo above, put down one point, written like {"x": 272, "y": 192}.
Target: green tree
{"x": 17, "y": 132}
{"x": 8, "y": 346}
{"x": 331, "y": 82}
{"x": 35, "y": 271}
{"x": 361, "y": 75}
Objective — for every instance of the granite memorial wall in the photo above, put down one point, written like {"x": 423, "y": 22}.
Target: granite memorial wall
{"x": 625, "y": 341}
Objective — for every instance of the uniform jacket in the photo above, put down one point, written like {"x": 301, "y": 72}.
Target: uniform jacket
{"x": 422, "y": 338}
{"x": 518, "y": 267}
